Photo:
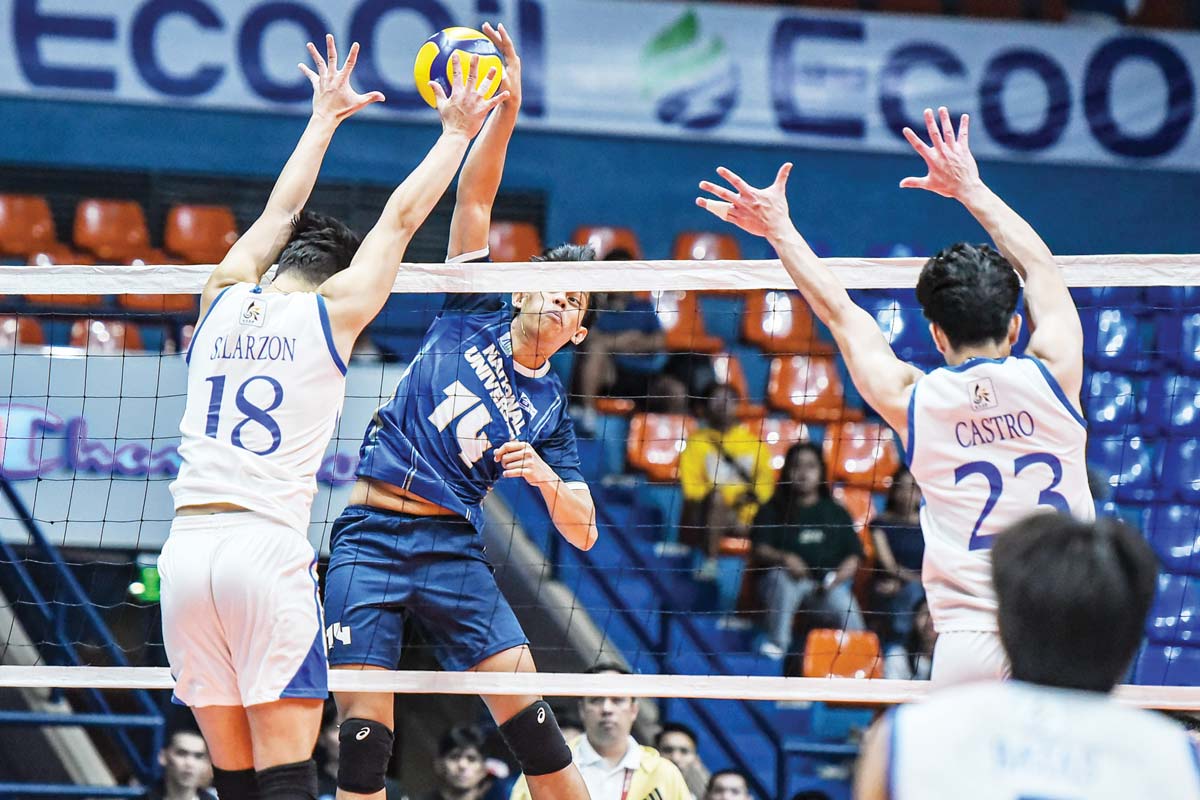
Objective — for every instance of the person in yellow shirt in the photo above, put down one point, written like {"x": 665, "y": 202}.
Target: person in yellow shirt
{"x": 613, "y": 765}
{"x": 725, "y": 473}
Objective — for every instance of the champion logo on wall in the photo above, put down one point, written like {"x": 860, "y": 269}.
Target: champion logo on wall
{"x": 692, "y": 78}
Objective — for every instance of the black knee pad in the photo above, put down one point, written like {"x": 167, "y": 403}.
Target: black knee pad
{"x": 535, "y": 740}
{"x": 289, "y": 781}
{"x": 235, "y": 784}
{"x": 364, "y": 752}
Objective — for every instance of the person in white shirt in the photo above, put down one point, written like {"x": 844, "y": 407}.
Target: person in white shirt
{"x": 1073, "y": 602}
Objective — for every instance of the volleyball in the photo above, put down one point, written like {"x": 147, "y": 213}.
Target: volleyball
{"x": 434, "y": 60}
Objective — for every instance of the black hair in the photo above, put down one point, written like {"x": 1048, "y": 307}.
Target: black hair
{"x": 573, "y": 252}
{"x": 320, "y": 247}
{"x": 1073, "y": 599}
{"x": 675, "y": 727}
{"x": 712, "y": 781}
{"x": 785, "y": 490}
{"x": 893, "y": 499}
{"x": 970, "y": 292}
{"x": 461, "y": 737}
{"x": 810, "y": 794}
{"x": 618, "y": 254}
{"x": 606, "y": 666}
{"x": 169, "y": 741}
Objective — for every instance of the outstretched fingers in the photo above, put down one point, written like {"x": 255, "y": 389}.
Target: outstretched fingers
{"x": 923, "y": 150}
{"x": 313, "y": 78}
{"x": 473, "y": 72}
{"x": 964, "y": 125}
{"x": 734, "y": 179}
{"x": 781, "y": 177}
{"x": 719, "y": 191}
{"x": 935, "y": 136}
{"x": 351, "y": 60}
{"x": 331, "y": 51}
{"x": 322, "y": 68}
{"x": 947, "y": 125}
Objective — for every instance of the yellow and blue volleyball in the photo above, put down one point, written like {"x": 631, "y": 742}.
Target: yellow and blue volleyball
{"x": 434, "y": 61}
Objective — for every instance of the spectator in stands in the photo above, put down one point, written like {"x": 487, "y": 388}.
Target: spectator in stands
{"x": 899, "y": 550}
{"x": 187, "y": 770}
{"x": 806, "y": 541}
{"x": 678, "y": 743}
{"x": 569, "y": 724}
{"x": 728, "y": 784}
{"x": 1104, "y": 10}
{"x": 460, "y": 769}
{"x": 614, "y": 766}
{"x": 912, "y": 659}
{"x": 725, "y": 474}
{"x": 326, "y": 756}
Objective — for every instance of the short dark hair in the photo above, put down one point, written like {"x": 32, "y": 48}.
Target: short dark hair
{"x": 675, "y": 727}
{"x": 184, "y": 731}
{"x": 461, "y": 737}
{"x": 1073, "y": 599}
{"x": 606, "y": 666}
{"x": 970, "y": 292}
{"x": 573, "y": 252}
{"x": 712, "y": 781}
{"x": 785, "y": 490}
{"x": 320, "y": 247}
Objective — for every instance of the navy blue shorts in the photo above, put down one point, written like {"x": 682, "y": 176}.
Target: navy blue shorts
{"x": 386, "y": 567}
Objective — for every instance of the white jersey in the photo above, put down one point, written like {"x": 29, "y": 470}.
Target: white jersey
{"x": 989, "y": 442}
{"x": 265, "y": 390}
{"x": 1017, "y": 741}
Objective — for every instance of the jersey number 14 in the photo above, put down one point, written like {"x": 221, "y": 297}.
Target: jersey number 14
{"x": 472, "y": 415}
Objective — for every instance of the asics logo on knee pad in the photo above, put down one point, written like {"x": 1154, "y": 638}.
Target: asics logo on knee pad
{"x": 364, "y": 733}
{"x": 541, "y": 715}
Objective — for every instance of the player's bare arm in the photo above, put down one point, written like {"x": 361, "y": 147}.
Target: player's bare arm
{"x": 481, "y": 174}
{"x": 883, "y": 379}
{"x": 334, "y": 100}
{"x": 571, "y": 509}
{"x": 870, "y": 773}
{"x": 356, "y": 294}
{"x": 1056, "y": 336}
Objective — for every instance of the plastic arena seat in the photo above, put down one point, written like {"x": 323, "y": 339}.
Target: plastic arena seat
{"x": 778, "y": 434}
{"x": 604, "y": 240}
{"x": 26, "y": 224}
{"x": 20, "y": 330}
{"x": 1159, "y": 665}
{"x": 1113, "y": 339}
{"x": 1177, "y": 341}
{"x": 807, "y": 387}
{"x": 861, "y": 454}
{"x": 729, "y": 373}
{"x": 1175, "y": 616}
{"x": 105, "y": 336}
{"x": 1174, "y": 533}
{"x": 902, "y": 322}
{"x": 1165, "y": 14}
{"x": 1181, "y": 470}
{"x": 679, "y": 314}
{"x": 655, "y": 442}
{"x": 781, "y": 322}
{"x": 1126, "y": 297}
{"x": 200, "y": 234}
{"x": 1173, "y": 406}
{"x": 1130, "y": 463}
{"x": 912, "y": 6}
{"x": 860, "y": 504}
{"x": 112, "y": 230}
{"x": 61, "y": 254}
{"x": 161, "y": 303}
{"x": 1113, "y": 401}
{"x": 830, "y": 653}
{"x": 705, "y": 246}
{"x": 1169, "y": 298}
{"x": 514, "y": 241}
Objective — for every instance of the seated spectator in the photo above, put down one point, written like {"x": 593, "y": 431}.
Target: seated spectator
{"x": 1104, "y": 10}
{"x": 460, "y": 769}
{"x": 327, "y": 753}
{"x": 899, "y": 550}
{"x": 725, "y": 474}
{"x": 187, "y": 771}
{"x": 806, "y": 541}
{"x": 728, "y": 784}
{"x": 613, "y": 765}
{"x": 912, "y": 659}
{"x": 678, "y": 743}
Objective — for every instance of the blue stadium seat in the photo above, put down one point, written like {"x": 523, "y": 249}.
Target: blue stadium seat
{"x": 1174, "y": 533}
{"x": 1114, "y": 402}
{"x": 899, "y": 316}
{"x": 1173, "y": 406}
{"x": 1113, "y": 338}
{"x": 1181, "y": 470}
{"x": 1157, "y": 665}
{"x": 402, "y": 323}
{"x": 1129, "y": 464}
{"x": 1175, "y": 616}
{"x": 723, "y": 315}
{"x": 1126, "y": 297}
{"x": 1178, "y": 340}
{"x": 1172, "y": 297}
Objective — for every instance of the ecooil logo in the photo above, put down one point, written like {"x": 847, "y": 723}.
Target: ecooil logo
{"x": 693, "y": 81}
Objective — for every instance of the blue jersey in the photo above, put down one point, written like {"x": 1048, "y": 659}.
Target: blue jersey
{"x": 461, "y": 397}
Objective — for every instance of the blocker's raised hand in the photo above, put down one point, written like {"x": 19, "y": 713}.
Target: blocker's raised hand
{"x": 952, "y": 168}
{"x": 333, "y": 96}
{"x": 467, "y": 108}
{"x": 762, "y": 212}
{"x": 511, "y": 82}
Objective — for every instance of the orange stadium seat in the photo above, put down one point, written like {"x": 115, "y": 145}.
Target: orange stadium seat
{"x": 679, "y": 315}
{"x": 861, "y": 454}
{"x": 729, "y": 373}
{"x": 200, "y": 234}
{"x": 26, "y": 225}
{"x": 514, "y": 241}
{"x": 112, "y": 230}
{"x": 778, "y": 435}
{"x": 832, "y": 653}
{"x": 859, "y": 504}
{"x": 999, "y": 9}
{"x": 162, "y": 303}
{"x": 20, "y": 330}
{"x": 809, "y": 388}
{"x": 704, "y": 246}
{"x": 105, "y": 336}
{"x": 655, "y": 442}
{"x": 781, "y": 322}
{"x": 617, "y": 406}
{"x": 605, "y": 239}
{"x": 912, "y": 6}
{"x": 1164, "y": 14}
{"x": 61, "y": 254}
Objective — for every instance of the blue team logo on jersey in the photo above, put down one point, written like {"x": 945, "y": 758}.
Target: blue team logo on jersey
{"x": 982, "y": 394}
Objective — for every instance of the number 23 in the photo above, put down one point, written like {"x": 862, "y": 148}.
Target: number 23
{"x": 1047, "y": 497}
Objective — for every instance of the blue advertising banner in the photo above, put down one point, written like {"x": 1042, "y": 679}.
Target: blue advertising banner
{"x": 1087, "y": 95}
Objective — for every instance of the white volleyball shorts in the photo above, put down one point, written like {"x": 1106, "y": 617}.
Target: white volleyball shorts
{"x": 241, "y": 616}
{"x": 968, "y": 656}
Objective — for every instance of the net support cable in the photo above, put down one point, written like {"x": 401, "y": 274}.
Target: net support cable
{"x": 600, "y": 276}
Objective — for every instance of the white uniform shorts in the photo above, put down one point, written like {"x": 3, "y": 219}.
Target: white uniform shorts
{"x": 240, "y": 612}
{"x": 968, "y": 656}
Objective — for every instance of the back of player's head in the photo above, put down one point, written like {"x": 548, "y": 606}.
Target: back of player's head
{"x": 1073, "y": 599}
{"x": 459, "y": 738}
{"x": 573, "y": 252}
{"x": 601, "y": 667}
{"x": 319, "y": 247}
{"x": 970, "y": 292}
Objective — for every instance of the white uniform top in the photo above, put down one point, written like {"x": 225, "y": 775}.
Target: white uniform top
{"x": 265, "y": 390}
{"x": 1017, "y": 741}
{"x": 989, "y": 442}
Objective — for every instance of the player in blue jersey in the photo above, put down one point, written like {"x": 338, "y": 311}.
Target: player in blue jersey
{"x": 477, "y": 404}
